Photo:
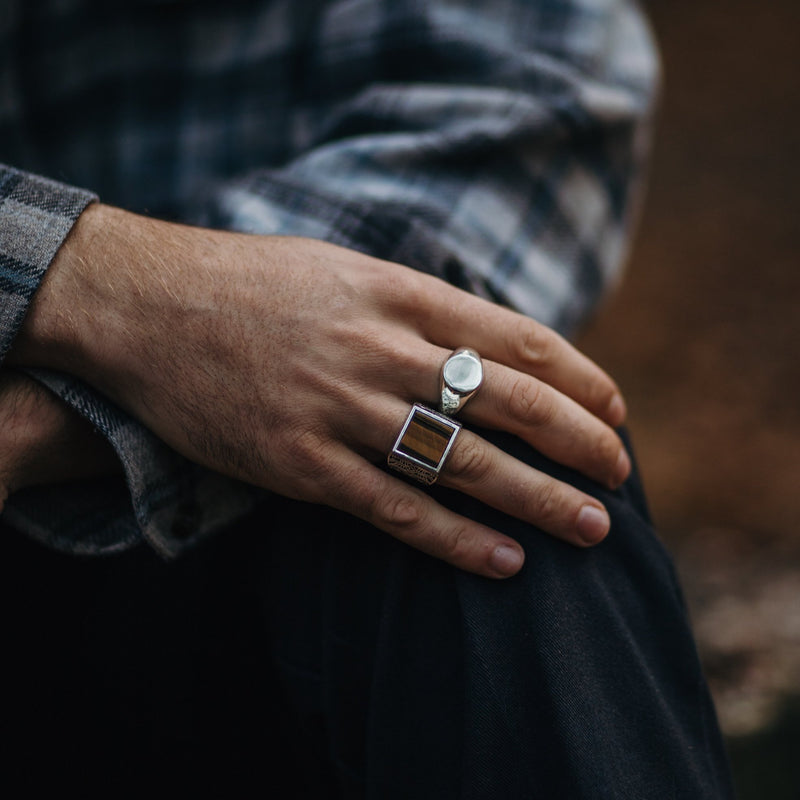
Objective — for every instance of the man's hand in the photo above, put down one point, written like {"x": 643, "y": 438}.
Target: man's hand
{"x": 292, "y": 363}
{"x": 44, "y": 441}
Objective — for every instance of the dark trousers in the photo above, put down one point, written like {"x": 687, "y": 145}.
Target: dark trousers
{"x": 314, "y": 657}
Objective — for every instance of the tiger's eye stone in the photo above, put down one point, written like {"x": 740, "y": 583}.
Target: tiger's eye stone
{"x": 423, "y": 444}
{"x": 426, "y": 439}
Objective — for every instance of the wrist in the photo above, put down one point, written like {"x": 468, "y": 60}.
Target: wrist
{"x": 56, "y": 327}
{"x": 121, "y": 292}
{"x": 91, "y": 308}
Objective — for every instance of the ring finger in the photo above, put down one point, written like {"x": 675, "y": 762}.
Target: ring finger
{"x": 484, "y": 471}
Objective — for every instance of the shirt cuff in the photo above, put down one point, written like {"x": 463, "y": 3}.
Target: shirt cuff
{"x": 36, "y": 216}
{"x": 162, "y": 499}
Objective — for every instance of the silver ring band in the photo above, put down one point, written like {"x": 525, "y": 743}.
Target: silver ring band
{"x": 462, "y": 376}
{"x": 423, "y": 444}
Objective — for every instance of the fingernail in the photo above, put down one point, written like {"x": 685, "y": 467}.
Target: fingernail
{"x": 506, "y": 560}
{"x": 616, "y": 411}
{"x": 593, "y": 524}
{"x": 621, "y": 469}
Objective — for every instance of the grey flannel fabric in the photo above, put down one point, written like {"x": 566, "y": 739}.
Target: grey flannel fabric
{"x": 495, "y": 143}
{"x": 35, "y": 217}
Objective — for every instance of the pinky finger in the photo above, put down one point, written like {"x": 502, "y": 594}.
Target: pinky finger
{"x": 362, "y": 489}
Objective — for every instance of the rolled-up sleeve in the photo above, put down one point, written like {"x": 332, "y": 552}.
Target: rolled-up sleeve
{"x": 36, "y": 216}
{"x": 498, "y": 145}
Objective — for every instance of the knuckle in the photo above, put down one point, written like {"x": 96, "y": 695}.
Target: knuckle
{"x": 529, "y": 403}
{"x": 608, "y": 448}
{"x": 470, "y": 461}
{"x": 547, "y": 502}
{"x": 607, "y": 455}
{"x": 601, "y": 447}
{"x": 534, "y": 343}
{"x": 414, "y": 293}
{"x": 403, "y": 358}
{"x": 457, "y": 544}
{"x": 395, "y": 510}
{"x": 302, "y": 453}
{"x": 599, "y": 390}
{"x": 397, "y": 286}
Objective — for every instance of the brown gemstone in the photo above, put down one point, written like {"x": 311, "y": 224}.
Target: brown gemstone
{"x": 426, "y": 438}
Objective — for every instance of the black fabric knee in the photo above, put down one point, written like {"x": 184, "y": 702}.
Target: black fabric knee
{"x": 577, "y": 678}
{"x": 371, "y": 670}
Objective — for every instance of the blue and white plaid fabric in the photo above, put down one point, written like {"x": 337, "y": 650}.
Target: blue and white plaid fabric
{"x": 495, "y": 143}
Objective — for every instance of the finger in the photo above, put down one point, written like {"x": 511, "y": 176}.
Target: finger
{"x": 515, "y": 402}
{"x": 487, "y": 473}
{"x": 452, "y": 318}
{"x": 490, "y": 475}
{"x": 551, "y": 422}
{"x": 352, "y": 484}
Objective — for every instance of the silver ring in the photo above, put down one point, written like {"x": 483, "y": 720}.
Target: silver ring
{"x": 462, "y": 376}
{"x": 423, "y": 445}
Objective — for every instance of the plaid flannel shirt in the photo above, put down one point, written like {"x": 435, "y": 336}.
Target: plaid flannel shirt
{"x": 495, "y": 143}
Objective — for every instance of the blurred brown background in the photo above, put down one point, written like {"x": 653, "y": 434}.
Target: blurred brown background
{"x": 703, "y": 337}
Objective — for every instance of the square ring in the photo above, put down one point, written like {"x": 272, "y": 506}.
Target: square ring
{"x": 423, "y": 445}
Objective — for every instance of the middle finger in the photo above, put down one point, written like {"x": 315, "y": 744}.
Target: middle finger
{"x": 551, "y": 422}
{"x": 540, "y": 415}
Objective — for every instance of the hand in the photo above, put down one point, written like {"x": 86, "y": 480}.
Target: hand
{"x": 43, "y": 441}
{"x": 291, "y": 364}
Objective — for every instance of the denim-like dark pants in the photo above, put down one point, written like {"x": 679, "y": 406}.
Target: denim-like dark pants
{"x": 310, "y": 652}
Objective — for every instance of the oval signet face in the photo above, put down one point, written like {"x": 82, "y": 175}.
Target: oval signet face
{"x": 463, "y": 372}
